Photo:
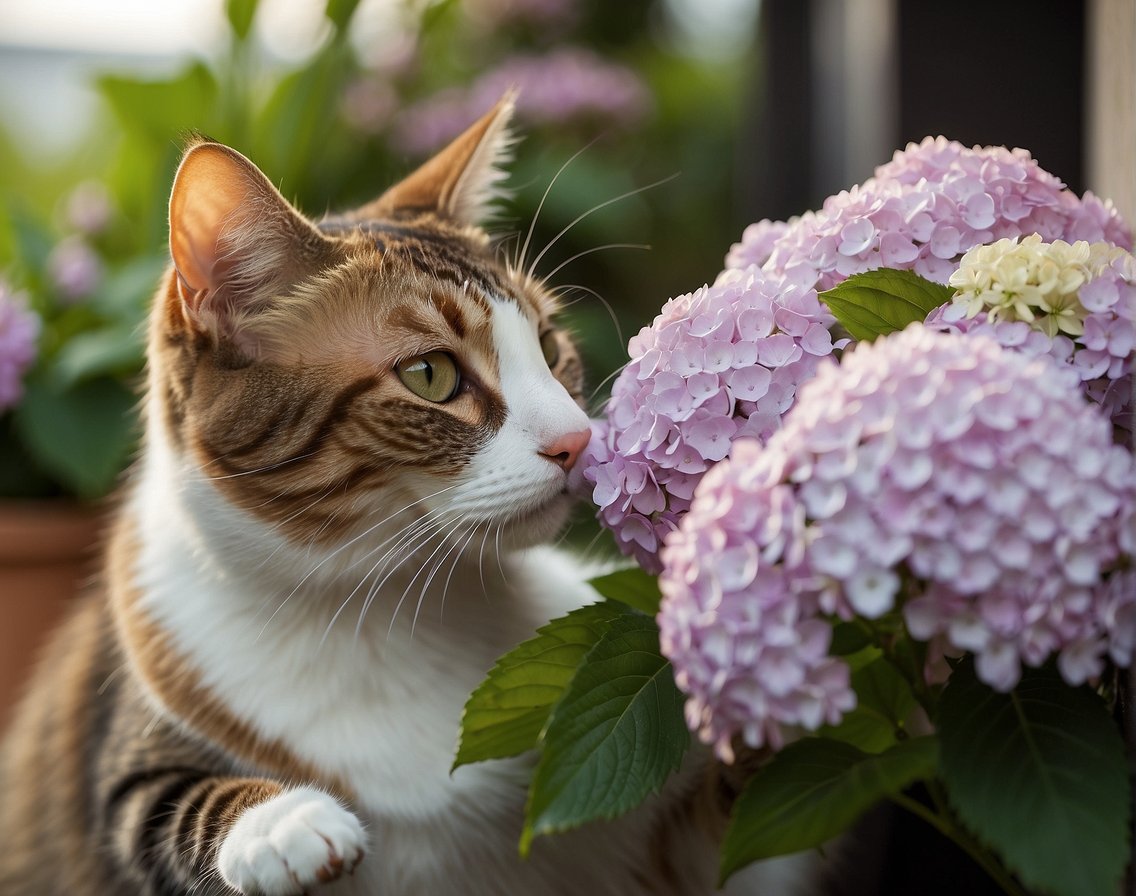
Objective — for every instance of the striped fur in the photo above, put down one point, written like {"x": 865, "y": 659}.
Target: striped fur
{"x": 311, "y": 568}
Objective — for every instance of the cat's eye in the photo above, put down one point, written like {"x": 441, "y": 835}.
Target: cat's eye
{"x": 550, "y": 347}
{"x": 433, "y": 376}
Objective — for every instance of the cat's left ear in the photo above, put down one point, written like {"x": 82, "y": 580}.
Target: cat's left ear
{"x": 462, "y": 181}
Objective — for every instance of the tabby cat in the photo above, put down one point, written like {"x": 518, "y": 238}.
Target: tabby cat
{"x": 355, "y": 431}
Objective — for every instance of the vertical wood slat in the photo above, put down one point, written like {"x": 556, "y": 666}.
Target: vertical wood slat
{"x": 1111, "y": 108}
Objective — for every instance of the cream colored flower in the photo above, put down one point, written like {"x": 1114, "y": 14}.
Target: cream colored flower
{"x": 1031, "y": 281}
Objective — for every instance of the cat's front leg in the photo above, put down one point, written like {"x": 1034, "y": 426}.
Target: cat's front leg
{"x": 294, "y": 840}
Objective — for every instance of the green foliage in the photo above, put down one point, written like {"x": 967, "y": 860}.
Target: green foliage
{"x": 507, "y": 712}
{"x": 884, "y": 704}
{"x": 813, "y": 790}
{"x": 884, "y": 301}
{"x": 1039, "y": 774}
{"x": 631, "y": 586}
{"x": 615, "y": 736}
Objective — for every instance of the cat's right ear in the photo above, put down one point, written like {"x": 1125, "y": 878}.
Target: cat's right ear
{"x": 235, "y": 241}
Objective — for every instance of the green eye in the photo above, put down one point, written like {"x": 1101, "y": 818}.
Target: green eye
{"x": 550, "y": 346}
{"x": 433, "y": 376}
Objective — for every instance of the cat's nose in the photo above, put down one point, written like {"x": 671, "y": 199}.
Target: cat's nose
{"x": 566, "y": 450}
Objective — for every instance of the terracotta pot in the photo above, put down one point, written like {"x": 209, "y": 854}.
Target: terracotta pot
{"x": 47, "y": 549}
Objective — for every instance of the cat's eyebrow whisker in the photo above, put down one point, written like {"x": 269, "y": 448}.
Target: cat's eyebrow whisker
{"x": 593, "y": 210}
{"x": 540, "y": 206}
{"x": 606, "y": 304}
{"x": 567, "y": 262}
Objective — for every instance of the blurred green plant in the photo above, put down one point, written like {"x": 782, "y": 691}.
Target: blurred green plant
{"x": 334, "y": 131}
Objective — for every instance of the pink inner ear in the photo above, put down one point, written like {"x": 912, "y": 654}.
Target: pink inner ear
{"x": 209, "y": 192}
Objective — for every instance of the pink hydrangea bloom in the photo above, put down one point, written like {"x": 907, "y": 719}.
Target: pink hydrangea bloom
{"x": 936, "y": 464}
{"x": 562, "y": 86}
{"x": 19, "y": 329}
{"x": 725, "y": 361}
{"x": 739, "y": 620}
{"x": 75, "y": 268}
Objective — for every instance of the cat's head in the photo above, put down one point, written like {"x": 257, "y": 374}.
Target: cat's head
{"x": 322, "y": 375}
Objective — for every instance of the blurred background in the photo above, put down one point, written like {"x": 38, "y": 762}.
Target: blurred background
{"x": 703, "y": 115}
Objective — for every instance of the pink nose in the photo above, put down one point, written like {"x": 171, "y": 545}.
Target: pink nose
{"x": 566, "y": 450}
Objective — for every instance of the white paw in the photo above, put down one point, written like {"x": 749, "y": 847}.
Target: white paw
{"x": 299, "y": 838}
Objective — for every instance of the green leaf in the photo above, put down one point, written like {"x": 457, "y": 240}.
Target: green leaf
{"x": 884, "y": 702}
{"x": 848, "y": 638}
{"x": 614, "y": 738}
{"x": 111, "y": 350}
{"x": 506, "y": 713}
{"x": 339, "y": 12}
{"x": 240, "y": 14}
{"x": 83, "y": 436}
{"x": 162, "y": 109}
{"x": 879, "y": 302}
{"x": 1040, "y": 775}
{"x": 631, "y": 586}
{"x": 813, "y": 790}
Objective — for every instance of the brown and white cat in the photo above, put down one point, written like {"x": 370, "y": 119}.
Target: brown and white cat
{"x": 343, "y": 418}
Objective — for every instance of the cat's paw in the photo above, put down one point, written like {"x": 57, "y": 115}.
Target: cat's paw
{"x": 295, "y": 840}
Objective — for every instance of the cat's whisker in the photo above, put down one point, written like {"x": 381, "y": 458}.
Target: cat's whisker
{"x": 405, "y": 536}
{"x": 454, "y": 566}
{"x": 520, "y": 262}
{"x": 406, "y": 591}
{"x": 580, "y": 217}
{"x": 265, "y": 469}
{"x": 575, "y": 287}
{"x": 594, "y": 249}
{"x": 366, "y": 556}
{"x": 433, "y": 572}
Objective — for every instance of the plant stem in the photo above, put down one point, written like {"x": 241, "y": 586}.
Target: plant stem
{"x": 945, "y": 826}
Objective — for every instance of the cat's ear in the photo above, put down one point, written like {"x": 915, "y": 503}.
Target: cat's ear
{"x": 462, "y": 181}
{"x": 235, "y": 241}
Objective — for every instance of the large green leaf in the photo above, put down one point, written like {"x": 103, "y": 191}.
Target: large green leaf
{"x": 83, "y": 436}
{"x": 506, "y": 713}
{"x": 883, "y": 703}
{"x": 813, "y": 790}
{"x": 875, "y": 303}
{"x": 632, "y": 586}
{"x": 162, "y": 109}
{"x": 614, "y": 738}
{"x": 1039, "y": 774}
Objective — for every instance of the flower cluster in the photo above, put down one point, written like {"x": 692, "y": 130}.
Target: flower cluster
{"x": 739, "y": 620}
{"x": 924, "y": 209}
{"x": 970, "y": 484}
{"x": 718, "y": 364}
{"x": 725, "y": 362}
{"x": 19, "y": 329}
{"x": 1081, "y": 296}
{"x": 564, "y": 85}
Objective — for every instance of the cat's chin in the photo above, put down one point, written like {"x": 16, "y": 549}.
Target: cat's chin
{"x": 539, "y": 524}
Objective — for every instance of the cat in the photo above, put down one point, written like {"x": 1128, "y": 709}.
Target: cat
{"x": 358, "y": 434}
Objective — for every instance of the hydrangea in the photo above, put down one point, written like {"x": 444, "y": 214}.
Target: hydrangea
{"x": 19, "y": 329}
{"x": 1076, "y": 302}
{"x": 969, "y": 485}
{"x": 739, "y": 620}
{"x": 717, "y": 364}
{"x": 705, "y": 373}
{"x": 564, "y": 85}
{"x": 925, "y": 208}
{"x": 75, "y": 268}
